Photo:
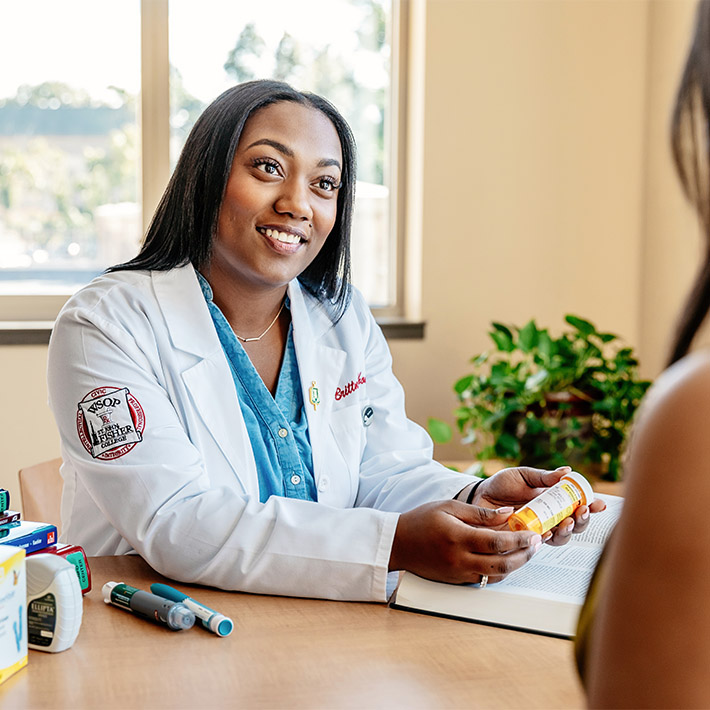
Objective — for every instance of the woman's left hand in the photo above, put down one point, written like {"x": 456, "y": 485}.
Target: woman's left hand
{"x": 519, "y": 485}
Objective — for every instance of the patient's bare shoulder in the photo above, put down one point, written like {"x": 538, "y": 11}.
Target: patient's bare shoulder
{"x": 672, "y": 430}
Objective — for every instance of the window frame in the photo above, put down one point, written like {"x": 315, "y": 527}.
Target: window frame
{"x": 29, "y": 318}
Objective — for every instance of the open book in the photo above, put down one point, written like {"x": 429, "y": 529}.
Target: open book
{"x": 544, "y": 596}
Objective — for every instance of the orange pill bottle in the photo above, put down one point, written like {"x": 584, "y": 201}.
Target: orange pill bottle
{"x": 553, "y": 505}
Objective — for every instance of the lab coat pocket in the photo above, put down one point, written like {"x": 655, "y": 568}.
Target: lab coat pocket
{"x": 348, "y": 433}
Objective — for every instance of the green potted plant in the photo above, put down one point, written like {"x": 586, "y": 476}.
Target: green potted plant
{"x": 543, "y": 401}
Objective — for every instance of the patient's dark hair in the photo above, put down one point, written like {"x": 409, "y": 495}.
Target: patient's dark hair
{"x": 690, "y": 142}
{"x": 185, "y": 223}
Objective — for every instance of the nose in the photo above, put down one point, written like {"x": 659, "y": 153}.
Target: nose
{"x": 294, "y": 200}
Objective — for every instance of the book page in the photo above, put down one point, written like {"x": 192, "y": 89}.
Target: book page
{"x": 563, "y": 573}
{"x": 602, "y": 523}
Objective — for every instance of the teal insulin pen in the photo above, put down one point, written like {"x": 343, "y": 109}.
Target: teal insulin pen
{"x": 215, "y": 622}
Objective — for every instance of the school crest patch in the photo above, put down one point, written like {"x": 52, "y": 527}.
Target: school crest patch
{"x": 110, "y": 422}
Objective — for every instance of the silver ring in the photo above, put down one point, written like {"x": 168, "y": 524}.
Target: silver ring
{"x": 483, "y": 582}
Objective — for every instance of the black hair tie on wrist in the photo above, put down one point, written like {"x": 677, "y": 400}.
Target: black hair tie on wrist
{"x": 473, "y": 490}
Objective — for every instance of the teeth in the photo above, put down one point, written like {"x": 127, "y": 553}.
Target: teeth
{"x": 283, "y": 236}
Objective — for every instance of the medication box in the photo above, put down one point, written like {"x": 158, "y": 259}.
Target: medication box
{"x": 75, "y": 555}
{"x": 30, "y": 536}
{"x": 13, "y": 611}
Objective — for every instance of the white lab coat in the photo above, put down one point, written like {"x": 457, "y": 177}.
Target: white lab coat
{"x": 185, "y": 497}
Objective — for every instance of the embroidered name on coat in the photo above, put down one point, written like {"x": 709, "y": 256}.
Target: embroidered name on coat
{"x": 110, "y": 422}
{"x": 350, "y": 387}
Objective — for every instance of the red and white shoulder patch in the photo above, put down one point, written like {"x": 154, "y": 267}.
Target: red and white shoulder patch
{"x": 110, "y": 422}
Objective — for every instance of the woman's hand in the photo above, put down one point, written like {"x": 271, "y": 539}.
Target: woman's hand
{"x": 450, "y": 541}
{"x": 517, "y": 486}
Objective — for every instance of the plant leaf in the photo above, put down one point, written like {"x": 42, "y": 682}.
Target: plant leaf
{"x": 502, "y": 329}
{"x": 463, "y": 384}
{"x": 503, "y": 341}
{"x": 439, "y": 430}
{"x": 527, "y": 339}
{"x": 583, "y": 326}
{"x": 544, "y": 344}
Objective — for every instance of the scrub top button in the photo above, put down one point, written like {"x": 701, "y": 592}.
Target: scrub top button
{"x": 323, "y": 483}
{"x": 295, "y": 479}
{"x": 283, "y": 433}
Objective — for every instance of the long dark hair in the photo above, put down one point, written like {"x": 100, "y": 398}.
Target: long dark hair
{"x": 185, "y": 222}
{"x": 690, "y": 142}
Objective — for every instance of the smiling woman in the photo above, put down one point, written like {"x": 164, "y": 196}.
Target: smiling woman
{"x": 272, "y": 453}
{"x": 280, "y": 201}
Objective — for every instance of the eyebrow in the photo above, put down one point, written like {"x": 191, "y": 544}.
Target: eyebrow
{"x": 285, "y": 150}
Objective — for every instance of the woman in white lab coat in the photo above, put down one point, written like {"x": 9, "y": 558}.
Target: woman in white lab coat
{"x": 225, "y": 400}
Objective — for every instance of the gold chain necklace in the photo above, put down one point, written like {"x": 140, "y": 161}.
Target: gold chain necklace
{"x": 271, "y": 325}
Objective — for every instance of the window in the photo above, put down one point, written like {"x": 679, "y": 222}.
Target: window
{"x": 72, "y": 197}
{"x": 69, "y": 186}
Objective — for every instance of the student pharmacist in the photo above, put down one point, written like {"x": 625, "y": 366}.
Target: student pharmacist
{"x": 225, "y": 400}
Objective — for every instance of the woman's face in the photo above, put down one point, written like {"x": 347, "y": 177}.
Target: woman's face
{"x": 281, "y": 199}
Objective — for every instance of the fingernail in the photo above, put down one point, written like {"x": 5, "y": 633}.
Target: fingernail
{"x": 535, "y": 542}
{"x": 505, "y": 510}
{"x": 585, "y": 514}
{"x": 547, "y": 536}
{"x": 563, "y": 468}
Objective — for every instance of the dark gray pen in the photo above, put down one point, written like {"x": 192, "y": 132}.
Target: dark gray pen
{"x": 174, "y": 615}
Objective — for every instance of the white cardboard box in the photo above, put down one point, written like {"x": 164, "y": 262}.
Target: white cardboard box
{"x": 13, "y": 611}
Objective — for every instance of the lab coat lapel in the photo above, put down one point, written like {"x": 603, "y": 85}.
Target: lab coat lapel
{"x": 209, "y": 379}
{"x": 320, "y": 366}
{"x": 185, "y": 311}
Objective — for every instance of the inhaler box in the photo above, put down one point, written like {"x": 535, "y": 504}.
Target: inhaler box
{"x": 13, "y": 611}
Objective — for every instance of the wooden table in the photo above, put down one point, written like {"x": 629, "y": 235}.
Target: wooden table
{"x": 290, "y": 653}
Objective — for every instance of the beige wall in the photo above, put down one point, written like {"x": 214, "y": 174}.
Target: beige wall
{"x": 27, "y": 432}
{"x": 671, "y": 241}
{"x": 548, "y": 186}
{"x": 547, "y": 190}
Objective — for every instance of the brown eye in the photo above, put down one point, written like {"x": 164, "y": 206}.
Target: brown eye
{"x": 266, "y": 165}
{"x": 328, "y": 184}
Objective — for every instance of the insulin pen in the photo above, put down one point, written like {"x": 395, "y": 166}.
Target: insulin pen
{"x": 169, "y": 613}
{"x": 212, "y": 620}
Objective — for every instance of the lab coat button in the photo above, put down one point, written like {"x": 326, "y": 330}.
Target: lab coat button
{"x": 295, "y": 479}
{"x": 323, "y": 483}
{"x": 283, "y": 433}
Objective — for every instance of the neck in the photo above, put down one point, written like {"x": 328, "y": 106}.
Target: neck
{"x": 248, "y": 310}
{"x": 256, "y": 338}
